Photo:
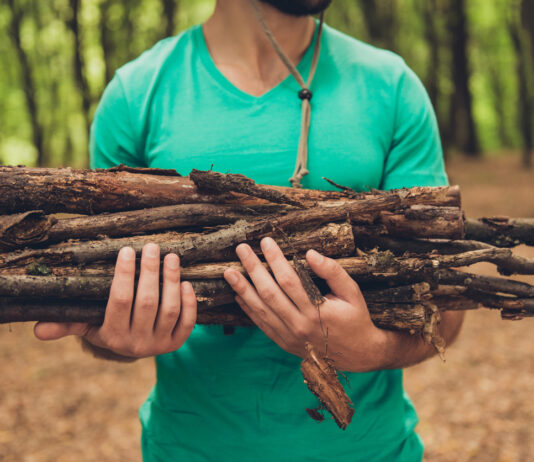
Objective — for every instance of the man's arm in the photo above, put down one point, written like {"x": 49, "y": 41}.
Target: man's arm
{"x": 405, "y": 350}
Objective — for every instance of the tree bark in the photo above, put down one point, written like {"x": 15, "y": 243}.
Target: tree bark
{"x": 414, "y": 222}
{"x": 78, "y": 63}
{"x": 420, "y": 221}
{"x": 106, "y": 41}
{"x": 462, "y": 123}
{"x": 170, "y": 7}
{"x": 28, "y": 81}
{"x": 212, "y": 299}
{"x": 525, "y": 97}
{"x": 321, "y": 378}
{"x": 501, "y": 231}
{"x": 122, "y": 188}
{"x": 331, "y": 239}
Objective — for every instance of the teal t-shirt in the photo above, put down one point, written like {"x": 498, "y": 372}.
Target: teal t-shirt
{"x": 241, "y": 397}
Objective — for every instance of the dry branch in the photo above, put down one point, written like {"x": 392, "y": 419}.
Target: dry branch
{"x": 501, "y": 231}
{"x": 331, "y": 239}
{"x": 321, "y": 378}
{"x": 89, "y": 192}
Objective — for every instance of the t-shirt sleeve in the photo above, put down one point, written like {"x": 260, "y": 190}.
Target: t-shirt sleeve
{"x": 113, "y": 140}
{"x": 415, "y": 157}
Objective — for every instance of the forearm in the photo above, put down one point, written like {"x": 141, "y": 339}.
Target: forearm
{"x": 404, "y": 350}
{"x": 102, "y": 353}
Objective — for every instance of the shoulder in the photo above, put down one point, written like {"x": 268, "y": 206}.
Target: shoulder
{"x": 350, "y": 54}
{"x": 143, "y": 71}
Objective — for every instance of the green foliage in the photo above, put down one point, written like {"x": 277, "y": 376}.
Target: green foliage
{"x": 112, "y": 32}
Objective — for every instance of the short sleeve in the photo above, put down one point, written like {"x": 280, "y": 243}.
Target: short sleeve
{"x": 113, "y": 139}
{"x": 415, "y": 157}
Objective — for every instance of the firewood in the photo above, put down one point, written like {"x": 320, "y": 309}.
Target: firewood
{"x": 66, "y": 190}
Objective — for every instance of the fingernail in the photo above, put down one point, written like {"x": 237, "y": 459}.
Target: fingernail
{"x": 151, "y": 250}
{"x": 315, "y": 256}
{"x": 173, "y": 262}
{"x": 242, "y": 251}
{"x": 127, "y": 253}
{"x": 267, "y": 243}
{"x": 231, "y": 277}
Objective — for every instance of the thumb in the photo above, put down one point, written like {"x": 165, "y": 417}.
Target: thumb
{"x": 54, "y": 331}
{"x": 339, "y": 281}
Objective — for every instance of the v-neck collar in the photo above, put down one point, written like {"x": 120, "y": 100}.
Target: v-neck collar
{"x": 205, "y": 57}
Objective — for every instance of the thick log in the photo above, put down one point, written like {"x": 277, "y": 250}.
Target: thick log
{"x": 501, "y": 231}
{"x": 89, "y": 192}
{"x": 331, "y": 239}
{"x": 22, "y": 229}
{"x": 420, "y": 221}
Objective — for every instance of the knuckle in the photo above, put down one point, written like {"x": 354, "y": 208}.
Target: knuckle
{"x": 189, "y": 324}
{"x": 172, "y": 313}
{"x": 268, "y": 295}
{"x": 148, "y": 302}
{"x": 138, "y": 349}
{"x": 122, "y": 301}
{"x": 114, "y": 344}
{"x": 262, "y": 313}
{"x": 333, "y": 267}
{"x": 125, "y": 267}
{"x": 241, "y": 286}
{"x": 302, "y": 330}
{"x": 286, "y": 280}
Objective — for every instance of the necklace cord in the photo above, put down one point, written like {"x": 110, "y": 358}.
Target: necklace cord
{"x": 305, "y": 95}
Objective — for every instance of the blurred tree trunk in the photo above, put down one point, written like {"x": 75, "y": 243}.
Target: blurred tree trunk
{"x": 106, "y": 40}
{"x": 79, "y": 65}
{"x": 380, "y": 21}
{"x": 499, "y": 99}
{"x": 170, "y": 7}
{"x": 527, "y": 20}
{"x": 430, "y": 13}
{"x": 518, "y": 36}
{"x": 28, "y": 82}
{"x": 461, "y": 120}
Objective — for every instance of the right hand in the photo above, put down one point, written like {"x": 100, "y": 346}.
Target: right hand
{"x": 144, "y": 327}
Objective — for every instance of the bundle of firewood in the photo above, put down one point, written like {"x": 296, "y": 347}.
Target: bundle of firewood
{"x": 61, "y": 230}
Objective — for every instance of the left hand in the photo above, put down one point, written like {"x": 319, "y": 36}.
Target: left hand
{"x": 281, "y": 308}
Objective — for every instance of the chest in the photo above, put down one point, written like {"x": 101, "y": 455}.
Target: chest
{"x": 192, "y": 124}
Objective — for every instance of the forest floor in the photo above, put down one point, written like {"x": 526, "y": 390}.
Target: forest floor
{"x": 57, "y": 404}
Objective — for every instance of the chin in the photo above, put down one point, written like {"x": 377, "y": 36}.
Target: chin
{"x": 299, "y": 7}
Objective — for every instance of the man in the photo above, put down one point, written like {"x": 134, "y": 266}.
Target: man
{"x": 220, "y": 94}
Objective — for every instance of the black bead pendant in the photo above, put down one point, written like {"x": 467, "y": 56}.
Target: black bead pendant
{"x": 305, "y": 93}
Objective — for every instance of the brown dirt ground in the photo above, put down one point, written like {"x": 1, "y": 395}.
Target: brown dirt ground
{"x": 57, "y": 404}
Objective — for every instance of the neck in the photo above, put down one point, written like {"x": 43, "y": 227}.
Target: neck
{"x": 241, "y": 50}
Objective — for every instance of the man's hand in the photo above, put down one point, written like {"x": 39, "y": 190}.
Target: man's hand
{"x": 145, "y": 327}
{"x": 282, "y": 309}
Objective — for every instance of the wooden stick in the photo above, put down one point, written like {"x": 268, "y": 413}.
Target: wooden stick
{"x": 331, "y": 239}
{"x": 90, "y": 192}
{"x": 501, "y": 231}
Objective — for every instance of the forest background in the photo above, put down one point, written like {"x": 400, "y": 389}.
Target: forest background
{"x": 475, "y": 58}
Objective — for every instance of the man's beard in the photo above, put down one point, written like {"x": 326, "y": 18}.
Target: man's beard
{"x": 299, "y": 7}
